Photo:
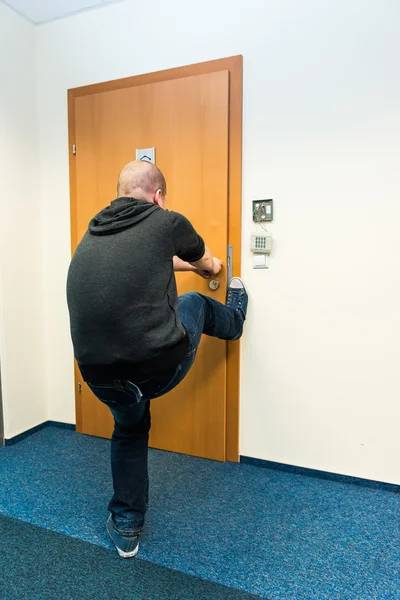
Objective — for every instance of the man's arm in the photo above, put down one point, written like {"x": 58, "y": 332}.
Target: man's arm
{"x": 213, "y": 265}
{"x": 208, "y": 263}
{"x": 188, "y": 245}
{"x": 182, "y": 265}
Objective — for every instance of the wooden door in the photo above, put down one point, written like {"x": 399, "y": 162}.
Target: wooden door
{"x": 187, "y": 121}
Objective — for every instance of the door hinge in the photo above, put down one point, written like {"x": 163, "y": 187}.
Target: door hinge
{"x": 73, "y": 148}
{"x": 79, "y": 387}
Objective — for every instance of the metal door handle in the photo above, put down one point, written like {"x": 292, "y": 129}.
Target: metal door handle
{"x": 229, "y": 264}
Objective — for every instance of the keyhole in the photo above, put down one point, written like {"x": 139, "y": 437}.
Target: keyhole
{"x": 214, "y": 284}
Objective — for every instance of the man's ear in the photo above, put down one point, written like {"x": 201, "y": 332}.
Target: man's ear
{"x": 159, "y": 198}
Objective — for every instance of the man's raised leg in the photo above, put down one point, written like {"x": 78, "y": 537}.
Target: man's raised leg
{"x": 202, "y": 314}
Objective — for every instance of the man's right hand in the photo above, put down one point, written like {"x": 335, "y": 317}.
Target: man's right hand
{"x": 216, "y": 266}
{"x": 208, "y": 263}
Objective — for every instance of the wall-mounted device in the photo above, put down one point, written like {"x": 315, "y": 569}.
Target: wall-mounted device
{"x": 262, "y": 211}
{"x": 261, "y": 246}
{"x": 261, "y": 243}
{"x": 260, "y": 261}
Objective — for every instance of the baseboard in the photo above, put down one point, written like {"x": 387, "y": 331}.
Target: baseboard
{"x": 29, "y": 432}
{"x": 268, "y": 464}
{"x": 246, "y": 460}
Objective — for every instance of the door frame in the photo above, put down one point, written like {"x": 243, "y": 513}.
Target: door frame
{"x": 234, "y": 65}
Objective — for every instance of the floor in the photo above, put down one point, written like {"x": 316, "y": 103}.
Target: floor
{"x": 278, "y": 535}
{"x": 39, "y": 564}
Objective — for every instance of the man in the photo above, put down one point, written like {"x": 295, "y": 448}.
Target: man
{"x": 134, "y": 339}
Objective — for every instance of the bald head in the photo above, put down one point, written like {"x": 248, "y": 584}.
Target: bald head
{"x": 142, "y": 180}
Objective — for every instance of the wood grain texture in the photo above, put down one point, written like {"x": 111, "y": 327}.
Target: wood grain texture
{"x": 87, "y": 109}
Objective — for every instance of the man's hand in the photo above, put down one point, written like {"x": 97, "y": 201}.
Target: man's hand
{"x": 208, "y": 264}
{"x": 203, "y": 274}
{"x": 217, "y": 266}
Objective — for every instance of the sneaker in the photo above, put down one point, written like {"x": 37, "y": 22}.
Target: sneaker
{"x": 127, "y": 545}
{"x": 236, "y": 296}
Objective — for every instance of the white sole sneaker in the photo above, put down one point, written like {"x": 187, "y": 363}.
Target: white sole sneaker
{"x": 130, "y": 543}
{"x": 238, "y": 284}
{"x": 127, "y": 554}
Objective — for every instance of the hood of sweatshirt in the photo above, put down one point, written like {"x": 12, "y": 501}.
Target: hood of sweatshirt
{"x": 121, "y": 214}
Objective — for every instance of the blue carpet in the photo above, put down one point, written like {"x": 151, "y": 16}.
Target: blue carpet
{"x": 278, "y": 535}
{"x": 38, "y": 564}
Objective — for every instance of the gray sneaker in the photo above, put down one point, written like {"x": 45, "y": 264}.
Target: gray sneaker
{"x": 236, "y": 296}
{"x": 127, "y": 545}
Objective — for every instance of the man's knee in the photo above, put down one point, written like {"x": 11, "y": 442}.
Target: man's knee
{"x": 191, "y": 303}
{"x": 237, "y": 335}
{"x": 190, "y": 297}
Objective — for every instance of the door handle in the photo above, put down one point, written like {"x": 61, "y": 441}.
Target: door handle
{"x": 229, "y": 263}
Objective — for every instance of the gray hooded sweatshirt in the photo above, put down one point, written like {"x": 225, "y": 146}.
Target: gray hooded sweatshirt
{"x": 121, "y": 291}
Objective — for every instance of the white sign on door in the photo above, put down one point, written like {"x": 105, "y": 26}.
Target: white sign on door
{"x": 148, "y": 154}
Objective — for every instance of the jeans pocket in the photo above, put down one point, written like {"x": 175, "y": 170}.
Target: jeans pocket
{"x": 119, "y": 394}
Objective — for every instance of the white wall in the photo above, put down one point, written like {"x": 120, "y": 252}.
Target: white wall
{"x": 320, "y": 374}
{"x": 21, "y": 292}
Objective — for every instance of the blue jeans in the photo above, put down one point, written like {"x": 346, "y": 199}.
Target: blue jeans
{"x": 129, "y": 402}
